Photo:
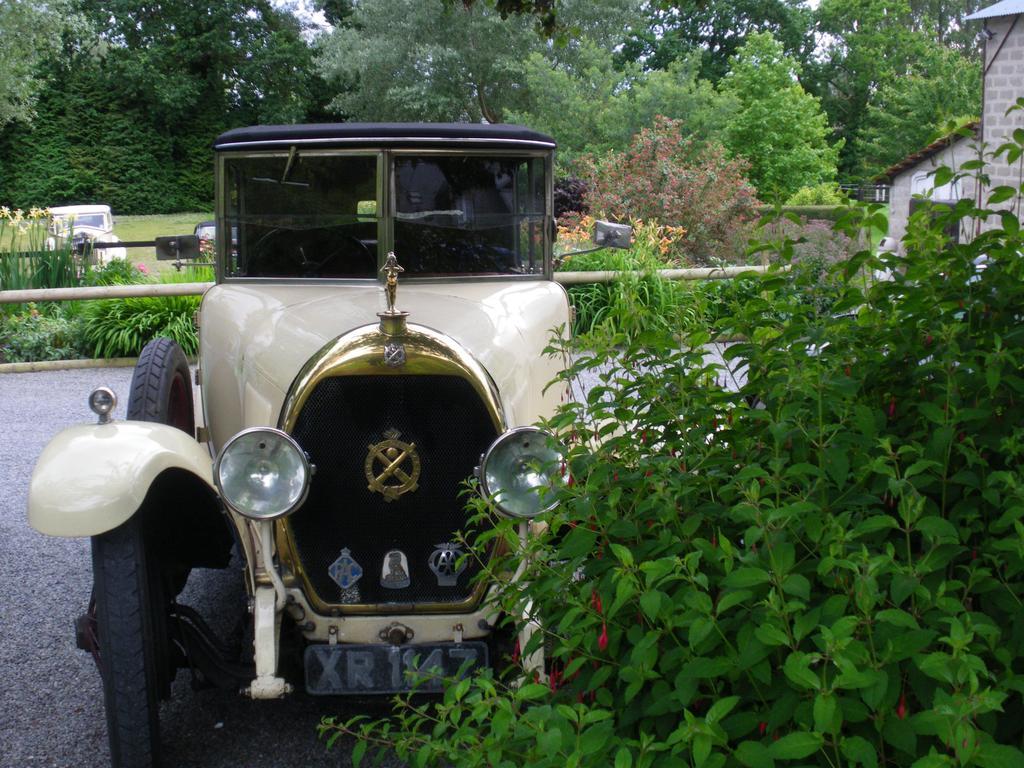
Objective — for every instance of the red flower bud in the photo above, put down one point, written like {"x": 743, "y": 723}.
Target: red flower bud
{"x": 901, "y": 708}
{"x": 602, "y": 639}
{"x": 595, "y": 600}
{"x": 846, "y": 370}
{"x": 516, "y": 650}
{"x": 892, "y": 407}
{"x": 762, "y": 727}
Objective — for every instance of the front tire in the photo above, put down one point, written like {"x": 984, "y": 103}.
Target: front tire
{"x": 162, "y": 387}
{"x": 131, "y": 612}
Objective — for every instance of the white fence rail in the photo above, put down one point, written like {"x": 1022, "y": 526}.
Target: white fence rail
{"x": 198, "y": 289}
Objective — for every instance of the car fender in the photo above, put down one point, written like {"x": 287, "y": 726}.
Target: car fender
{"x": 92, "y": 478}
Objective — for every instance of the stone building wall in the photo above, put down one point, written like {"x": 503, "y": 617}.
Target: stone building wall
{"x": 1004, "y": 84}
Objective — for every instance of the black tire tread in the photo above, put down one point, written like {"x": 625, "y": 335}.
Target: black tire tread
{"x": 127, "y": 645}
{"x": 159, "y": 361}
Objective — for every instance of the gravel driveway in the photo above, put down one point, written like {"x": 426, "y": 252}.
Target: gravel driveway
{"x": 51, "y": 703}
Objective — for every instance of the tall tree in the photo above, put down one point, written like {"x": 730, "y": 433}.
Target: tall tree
{"x": 716, "y": 28}
{"x": 779, "y": 128}
{"x": 30, "y": 31}
{"x": 593, "y": 107}
{"x": 869, "y": 45}
{"x": 245, "y": 57}
{"x": 907, "y": 112}
{"x": 412, "y": 60}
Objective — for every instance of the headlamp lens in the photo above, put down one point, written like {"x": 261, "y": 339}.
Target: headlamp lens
{"x": 519, "y": 471}
{"x": 262, "y": 474}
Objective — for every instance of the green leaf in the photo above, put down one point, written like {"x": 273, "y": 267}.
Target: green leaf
{"x": 771, "y": 635}
{"x": 797, "y": 585}
{"x": 721, "y": 708}
{"x": 623, "y": 758}
{"x": 358, "y": 752}
{"x": 859, "y": 750}
{"x": 937, "y": 528}
{"x": 897, "y": 618}
{"x": 732, "y": 599}
{"x": 937, "y": 666}
{"x": 797, "y": 669}
{"x": 932, "y": 761}
{"x": 533, "y": 691}
{"x": 1001, "y": 195}
{"x": 825, "y": 707}
{"x": 943, "y": 175}
{"x": 742, "y": 578}
{"x": 754, "y": 755}
{"x": 873, "y": 525}
{"x": 796, "y": 746}
{"x": 991, "y": 755}
{"x": 701, "y": 749}
{"x": 622, "y": 554}
{"x": 650, "y": 602}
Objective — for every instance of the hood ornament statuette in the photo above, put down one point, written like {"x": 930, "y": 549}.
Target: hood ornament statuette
{"x": 392, "y": 321}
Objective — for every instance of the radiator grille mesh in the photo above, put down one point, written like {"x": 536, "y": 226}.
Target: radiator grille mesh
{"x": 450, "y": 427}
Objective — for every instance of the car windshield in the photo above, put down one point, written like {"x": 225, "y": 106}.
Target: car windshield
{"x": 302, "y": 215}
{"x": 81, "y": 220}
{"x": 469, "y": 214}
{"x": 316, "y": 215}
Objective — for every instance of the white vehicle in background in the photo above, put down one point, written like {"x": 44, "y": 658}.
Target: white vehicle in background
{"x": 83, "y": 224}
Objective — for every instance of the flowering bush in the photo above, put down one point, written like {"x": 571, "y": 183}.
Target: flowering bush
{"x": 824, "y": 567}
{"x": 679, "y": 181}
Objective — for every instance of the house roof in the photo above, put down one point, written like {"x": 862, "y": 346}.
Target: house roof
{"x": 383, "y": 134}
{"x": 932, "y": 149}
{"x": 1002, "y": 8}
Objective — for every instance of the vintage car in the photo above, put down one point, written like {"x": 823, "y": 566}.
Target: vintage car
{"x": 83, "y": 225}
{"x": 375, "y": 338}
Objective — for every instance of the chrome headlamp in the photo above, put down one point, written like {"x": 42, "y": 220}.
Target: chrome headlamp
{"x": 520, "y": 471}
{"x": 262, "y": 473}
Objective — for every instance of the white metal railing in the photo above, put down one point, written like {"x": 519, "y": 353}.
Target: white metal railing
{"x": 198, "y": 289}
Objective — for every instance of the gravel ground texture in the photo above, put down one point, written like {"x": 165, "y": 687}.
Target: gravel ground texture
{"x": 51, "y": 702}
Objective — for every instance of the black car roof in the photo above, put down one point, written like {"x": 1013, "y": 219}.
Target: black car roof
{"x": 382, "y": 135}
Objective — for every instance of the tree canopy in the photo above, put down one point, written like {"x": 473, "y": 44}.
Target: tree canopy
{"x": 779, "y": 128}
{"x": 854, "y": 84}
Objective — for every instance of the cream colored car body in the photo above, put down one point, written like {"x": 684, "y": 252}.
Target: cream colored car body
{"x": 255, "y": 338}
{"x": 260, "y": 339}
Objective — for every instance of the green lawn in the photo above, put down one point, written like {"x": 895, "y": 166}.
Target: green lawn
{"x": 156, "y": 225}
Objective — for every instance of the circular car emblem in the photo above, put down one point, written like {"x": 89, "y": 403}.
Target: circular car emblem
{"x": 392, "y": 467}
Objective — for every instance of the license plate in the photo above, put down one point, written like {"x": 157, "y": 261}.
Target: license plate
{"x": 351, "y": 669}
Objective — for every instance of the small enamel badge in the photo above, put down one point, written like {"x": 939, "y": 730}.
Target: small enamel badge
{"x": 395, "y": 572}
{"x": 444, "y": 562}
{"x": 345, "y": 571}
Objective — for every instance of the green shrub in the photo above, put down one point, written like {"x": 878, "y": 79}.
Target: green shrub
{"x": 826, "y": 193}
{"x": 33, "y": 337}
{"x": 810, "y": 212}
{"x": 665, "y": 177}
{"x": 122, "y": 327}
{"x": 825, "y": 567}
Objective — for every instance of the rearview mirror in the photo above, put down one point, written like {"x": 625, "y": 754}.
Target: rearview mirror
{"x": 177, "y": 248}
{"x": 610, "y": 235}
